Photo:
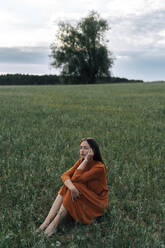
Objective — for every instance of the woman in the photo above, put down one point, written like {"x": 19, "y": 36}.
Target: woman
{"x": 84, "y": 194}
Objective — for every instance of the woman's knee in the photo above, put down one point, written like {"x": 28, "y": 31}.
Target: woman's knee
{"x": 59, "y": 197}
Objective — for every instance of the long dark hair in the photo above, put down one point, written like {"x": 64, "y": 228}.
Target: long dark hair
{"x": 93, "y": 144}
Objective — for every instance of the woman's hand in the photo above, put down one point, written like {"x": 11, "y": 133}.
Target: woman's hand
{"x": 89, "y": 156}
{"x": 75, "y": 194}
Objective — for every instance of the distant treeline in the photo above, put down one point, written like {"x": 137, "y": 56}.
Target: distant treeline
{"x": 26, "y": 79}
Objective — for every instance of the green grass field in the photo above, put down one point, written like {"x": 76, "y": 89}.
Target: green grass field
{"x": 40, "y": 130}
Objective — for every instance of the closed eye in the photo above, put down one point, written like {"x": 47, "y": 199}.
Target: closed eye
{"x": 84, "y": 147}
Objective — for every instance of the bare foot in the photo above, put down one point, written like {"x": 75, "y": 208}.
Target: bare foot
{"x": 42, "y": 227}
{"x": 50, "y": 230}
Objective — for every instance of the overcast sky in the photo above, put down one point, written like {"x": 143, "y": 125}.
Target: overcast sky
{"x": 136, "y": 38}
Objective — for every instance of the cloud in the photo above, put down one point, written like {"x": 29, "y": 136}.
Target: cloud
{"x": 138, "y": 43}
{"x": 138, "y": 31}
{"x": 24, "y": 55}
{"x": 26, "y": 60}
{"x": 37, "y": 69}
{"x": 25, "y": 24}
{"x": 126, "y": 7}
{"x": 140, "y": 65}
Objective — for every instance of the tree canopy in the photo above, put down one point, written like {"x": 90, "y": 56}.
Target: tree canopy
{"x": 80, "y": 50}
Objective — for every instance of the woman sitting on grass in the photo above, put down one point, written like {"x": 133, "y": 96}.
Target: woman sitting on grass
{"x": 84, "y": 194}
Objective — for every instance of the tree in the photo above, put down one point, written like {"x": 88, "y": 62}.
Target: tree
{"x": 81, "y": 51}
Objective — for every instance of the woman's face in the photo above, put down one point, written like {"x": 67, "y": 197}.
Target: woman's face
{"x": 84, "y": 149}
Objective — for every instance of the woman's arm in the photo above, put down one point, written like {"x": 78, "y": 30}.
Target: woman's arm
{"x": 66, "y": 178}
{"x": 94, "y": 173}
{"x": 83, "y": 164}
{"x": 69, "y": 173}
{"x": 68, "y": 183}
{"x": 74, "y": 191}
